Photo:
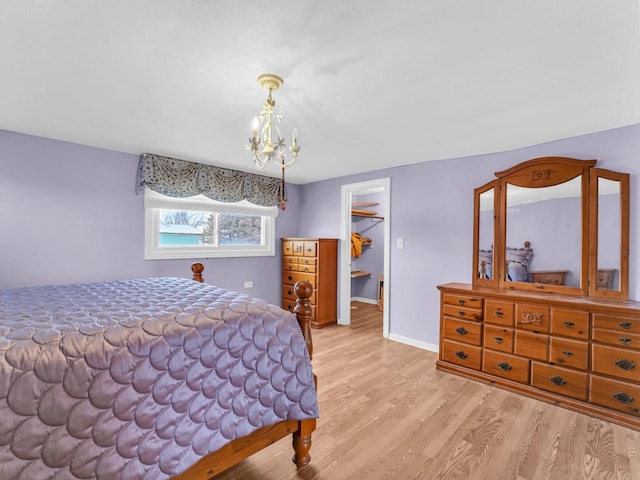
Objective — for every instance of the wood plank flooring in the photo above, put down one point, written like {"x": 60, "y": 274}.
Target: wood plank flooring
{"x": 386, "y": 413}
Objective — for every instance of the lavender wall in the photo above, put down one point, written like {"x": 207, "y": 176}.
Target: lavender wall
{"x": 69, "y": 213}
{"x": 432, "y": 209}
{"x": 49, "y": 187}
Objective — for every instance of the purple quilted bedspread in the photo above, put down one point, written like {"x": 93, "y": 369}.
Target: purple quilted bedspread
{"x": 139, "y": 379}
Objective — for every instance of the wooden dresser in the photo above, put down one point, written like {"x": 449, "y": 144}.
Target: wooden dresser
{"x": 315, "y": 260}
{"x": 579, "y": 352}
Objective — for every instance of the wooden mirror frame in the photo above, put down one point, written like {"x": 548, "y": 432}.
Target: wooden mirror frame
{"x": 545, "y": 172}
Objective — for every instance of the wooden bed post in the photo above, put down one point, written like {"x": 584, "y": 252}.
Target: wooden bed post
{"x": 197, "y": 268}
{"x": 302, "y": 436}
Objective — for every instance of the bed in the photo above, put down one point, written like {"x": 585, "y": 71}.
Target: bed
{"x": 149, "y": 379}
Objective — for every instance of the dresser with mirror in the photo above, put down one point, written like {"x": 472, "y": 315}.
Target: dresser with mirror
{"x": 547, "y": 312}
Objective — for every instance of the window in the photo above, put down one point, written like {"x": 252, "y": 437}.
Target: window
{"x": 198, "y": 227}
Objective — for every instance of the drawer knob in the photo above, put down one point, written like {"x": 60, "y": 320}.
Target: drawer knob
{"x": 290, "y": 307}
{"x": 568, "y": 354}
{"x": 625, "y": 340}
{"x": 558, "y": 380}
{"x": 461, "y": 313}
{"x": 499, "y": 313}
{"x": 290, "y": 277}
{"x": 623, "y": 397}
{"x": 461, "y": 331}
{"x": 461, "y": 302}
{"x": 569, "y": 324}
{"x": 461, "y": 355}
{"x": 504, "y": 366}
{"x": 626, "y": 325}
{"x": 289, "y": 292}
{"x": 625, "y": 364}
{"x": 498, "y": 339}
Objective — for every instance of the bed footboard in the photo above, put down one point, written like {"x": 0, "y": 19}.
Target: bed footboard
{"x": 301, "y": 431}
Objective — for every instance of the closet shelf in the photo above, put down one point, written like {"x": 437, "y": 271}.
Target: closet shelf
{"x": 360, "y": 274}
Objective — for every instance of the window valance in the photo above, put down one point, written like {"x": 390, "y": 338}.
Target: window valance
{"x": 181, "y": 178}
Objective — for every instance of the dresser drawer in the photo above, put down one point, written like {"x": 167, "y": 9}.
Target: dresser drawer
{"x": 290, "y": 267}
{"x": 307, "y": 268}
{"x": 620, "y": 396}
{"x": 499, "y": 312}
{"x": 618, "y": 362}
{"x": 463, "y": 301}
{"x": 310, "y": 249}
{"x": 570, "y": 323}
{"x": 461, "y": 354}
{"x": 287, "y": 260}
{"x": 559, "y": 380}
{"x": 307, "y": 261}
{"x": 463, "y": 312}
{"x": 569, "y": 353}
{"x": 531, "y": 345}
{"x": 291, "y": 278}
{"x": 550, "y": 277}
{"x": 498, "y": 338}
{"x": 506, "y": 366}
{"x": 616, "y": 337}
{"x": 532, "y": 317}
{"x": 462, "y": 330}
{"x": 621, "y": 324}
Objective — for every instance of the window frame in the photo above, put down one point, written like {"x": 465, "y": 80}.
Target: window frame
{"x": 154, "y": 202}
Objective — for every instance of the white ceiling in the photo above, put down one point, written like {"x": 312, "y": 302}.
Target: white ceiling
{"x": 368, "y": 83}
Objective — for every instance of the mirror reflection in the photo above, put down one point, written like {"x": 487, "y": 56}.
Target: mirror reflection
{"x": 608, "y": 260}
{"x": 485, "y": 235}
{"x": 544, "y": 234}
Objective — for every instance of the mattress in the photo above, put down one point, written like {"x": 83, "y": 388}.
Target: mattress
{"x": 139, "y": 379}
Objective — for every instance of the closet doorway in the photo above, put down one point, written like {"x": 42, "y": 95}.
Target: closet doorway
{"x": 346, "y": 263}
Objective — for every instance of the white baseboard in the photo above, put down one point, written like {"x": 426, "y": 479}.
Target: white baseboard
{"x": 414, "y": 343}
{"x": 364, "y": 300}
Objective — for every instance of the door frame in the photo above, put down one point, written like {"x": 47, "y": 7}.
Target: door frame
{"x": 347, "y": 192}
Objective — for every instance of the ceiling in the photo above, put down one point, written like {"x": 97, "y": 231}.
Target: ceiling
{"x": 369, "y": 84}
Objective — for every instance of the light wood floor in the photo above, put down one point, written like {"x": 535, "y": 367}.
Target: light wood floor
{"x": 386, "y": 413}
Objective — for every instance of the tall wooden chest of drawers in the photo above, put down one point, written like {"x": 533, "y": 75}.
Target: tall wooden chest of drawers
{"x": 578, "y": 352}
{"x": 315, "y": 260}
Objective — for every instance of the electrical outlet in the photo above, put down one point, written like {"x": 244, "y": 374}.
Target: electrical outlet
{"x": 248, "y": 284}
{"x": 400, "y": 243}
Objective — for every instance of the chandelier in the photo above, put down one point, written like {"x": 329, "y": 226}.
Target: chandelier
{"x": 263, "y": 145}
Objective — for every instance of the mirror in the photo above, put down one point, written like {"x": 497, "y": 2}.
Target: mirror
{"x": 609, "y": 253}
{"x": 555, "y": 224}
{"x": 608, "y": 259}
{"x": 549, "y": 219}
{"x": 485, "y": 199}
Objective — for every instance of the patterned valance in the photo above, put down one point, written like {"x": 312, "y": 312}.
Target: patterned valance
{"x": 180, "y": 178}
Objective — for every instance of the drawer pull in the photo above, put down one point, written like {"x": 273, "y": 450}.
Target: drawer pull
{"x": 461, "y": 313}
{"x": 461, "y": 331}
{"x": 289, "y": 278}
{"x": 461, "y": 355}
{"x": 504, "y": 366}
{"x": 568, "y": 354}
{"x": 290, "y": 307}
{"x": 626, "y": 325}
{"x": 498, "y": 339}
{"x": 289, "y": 292}
{"x": 558, "y": 380}
{"x": 499, "y": 313}
{"x": 625, "y": 364}
{"x": 461, "y": 301}
{"x": 569, "y": 324}
{"x": 625, "y": 340}
{"x": 623, "y": 397}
